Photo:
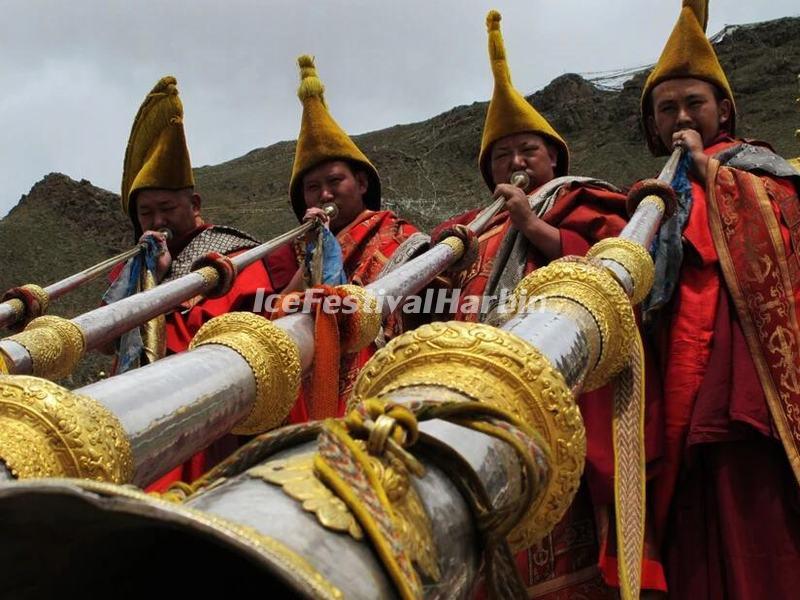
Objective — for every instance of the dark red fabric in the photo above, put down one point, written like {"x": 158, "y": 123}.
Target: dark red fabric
{"x": 735, "y": 530}
{"x": 564, "y": 564}
{"x": 730, "y": 399}
{"x": 281, "y": 266}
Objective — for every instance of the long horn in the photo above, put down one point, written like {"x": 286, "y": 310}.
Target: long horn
{"x": 250, "y": 382}
{"x": 244, "y": 369}
{"x": 52, "y": 346}
{"x": 263, "y": 537}
{"x": 572, "y": 333}
{"x": 100, "y": 326}
{"x": 17, "y": 308}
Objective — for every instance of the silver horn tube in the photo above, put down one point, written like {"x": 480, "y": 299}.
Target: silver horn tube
{"x": 244, "y": 520}
{"x": 12, "y": 310}
{"x": 101, "y": 326}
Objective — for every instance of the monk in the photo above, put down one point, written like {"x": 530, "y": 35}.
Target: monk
{"x": 551, "y": 216}
{"x": 330, "y": 168}
{"x": 725, "y": 311}
{"x": 158, "y": 193}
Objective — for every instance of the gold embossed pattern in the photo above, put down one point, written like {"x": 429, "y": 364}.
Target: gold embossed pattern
{"x": 366, "y": 327}
{"x": 296, "y": 476}
{"x": 633, "y": 257}
{"x": 456, "y": 245}
{"x": 210, "y": 276}
{"x": 498, "y": 368}
{"x": 56, "y": 345}
{"x": 47, "y": 431}
{"x": 41, "y": 296}
{"x": 657, "y": 202}
{"x": 593, "y": 287}
{"x": 273, "y": 357}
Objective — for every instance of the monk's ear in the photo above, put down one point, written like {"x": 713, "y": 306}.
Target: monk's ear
{"x": 553, "y": 156}
{"x": 652, "y": 129}
{"x": 363, "y": 181}
{"x": 724, "y": 110}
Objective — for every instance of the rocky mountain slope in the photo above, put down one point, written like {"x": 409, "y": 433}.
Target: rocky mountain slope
{"x": 428, "y": 169}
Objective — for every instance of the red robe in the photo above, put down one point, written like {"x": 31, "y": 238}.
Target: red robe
{"x": 367, "y": 244}
{"x": 578, "y": 558}
{"x": 726, "y": 501}
{"x": 182, "y": 324}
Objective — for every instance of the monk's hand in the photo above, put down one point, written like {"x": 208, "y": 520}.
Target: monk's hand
{"x": 322, "y": 217}
{"x": 541, "y": 235}
{"x": 517, "y": 205}
{"x": 317, "y": 213}
{"x": 692, "y": 142}
{"x": 164, "y": 258}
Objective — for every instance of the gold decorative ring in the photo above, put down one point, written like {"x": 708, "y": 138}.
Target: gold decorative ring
{"x": 657, "y": 202}
{"x": 633, "y": 257}
{"x": 42, "y": 297}
{"x": 274, "y": 359}
{"x": 598, "y": 292}
{"x": 47, "y": 431}
{"x": 367, "y": 324}
{"x": 495, "y": 367}
{"x": 455, "y": 244}
{"x": 56, "y": 345}
{"x": 376, "y": 443}
{"x": 210, "y": 276}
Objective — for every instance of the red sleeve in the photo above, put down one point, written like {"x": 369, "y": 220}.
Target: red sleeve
{"x": 407, "y": 230}
{"x": 464, "y": 219}
{"x": 251, "y": 284}
{"x": 281, "y": 266}
{"x": 586, "y": 215}
{"x": 573, "y": 243}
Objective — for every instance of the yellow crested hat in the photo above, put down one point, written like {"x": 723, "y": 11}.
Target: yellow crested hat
{"x": 322, "y": 139}
{"x": 509, "y": 112}
{"x": 157, "y": 155}
{"x": 688, "y": 53}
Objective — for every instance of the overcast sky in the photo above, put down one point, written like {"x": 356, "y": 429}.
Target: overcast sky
{"x": 73, "y": 73}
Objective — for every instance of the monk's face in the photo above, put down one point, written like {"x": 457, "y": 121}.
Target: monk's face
{"x": 687, "y": 104}
{"x": 334, "y": 181}
{"x": 176, "y": 210}
{"x": 527, "y": 152}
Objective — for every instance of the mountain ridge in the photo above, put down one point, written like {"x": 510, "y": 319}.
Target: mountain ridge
{"x": 428, "y": 168}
